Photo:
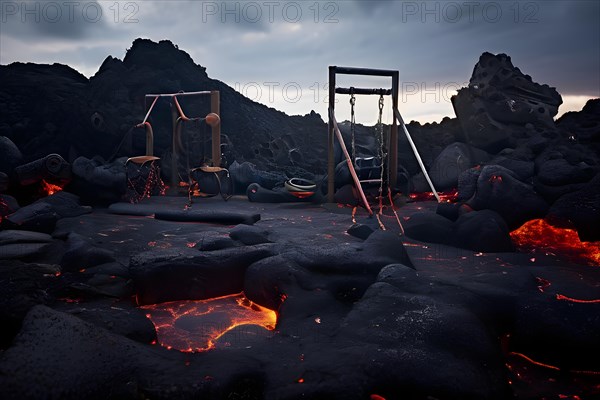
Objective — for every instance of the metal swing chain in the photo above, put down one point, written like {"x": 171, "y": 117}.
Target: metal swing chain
{"x": 352, "y": 124}
{"x": 389, "y": 188}
{"x": 382, "y": 154}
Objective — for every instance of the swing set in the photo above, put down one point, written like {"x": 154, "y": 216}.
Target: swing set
{"x": 388, "y": 144}
{"x": 144, "y": 179}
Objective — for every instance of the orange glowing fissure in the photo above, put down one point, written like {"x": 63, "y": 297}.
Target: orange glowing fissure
{"x": 446, "y": 197}
{"x": 197, "y": 325}
{"x": 50, "y": 188}
{"x": 553, "y": 367}
{"x": 539, "y": 236}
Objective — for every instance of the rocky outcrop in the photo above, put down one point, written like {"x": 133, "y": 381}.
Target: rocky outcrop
{"x": 582, "y": 126}
{"x": 502, "y": 105}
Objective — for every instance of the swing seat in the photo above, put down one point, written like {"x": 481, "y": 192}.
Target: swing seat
{"x": 146, "y": 179}
{"x": 209, "y": 181}
{"x": 368, "y": 170}
{"x": 141, "y": 160}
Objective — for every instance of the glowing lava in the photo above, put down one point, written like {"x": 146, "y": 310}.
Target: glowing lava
{"x": 196, "y": 325}
{"x": 49, "y": 188}
{"x": 539, "y": 236}
{"x": 446, "y": 197}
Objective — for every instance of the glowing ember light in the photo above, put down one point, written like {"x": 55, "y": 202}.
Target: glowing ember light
{"x": 302, "y": 195}
{"x": 539, "y": 236}
{"x": 191, "y": 245}
{"x": 495, "y": 178}
{"x": 196, "y": 325}
{"x": 446, "y": 197}
{"x": 543, "y": 284}
{"x": 552, "y": 367}
{"x": 376, "y": 397}
{"x": 49, "y": 188}
{"x": 572, "y": 300}
{"x": 70, "y": 300}
{"x": 301, "y": 380}
{"x": 142, "y": 185}
{"x": 532, "y": 361}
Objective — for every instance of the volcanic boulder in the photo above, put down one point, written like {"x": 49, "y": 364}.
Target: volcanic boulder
{"x": 483, "y": 230}
{"x": 583, "y": 126}
{"x": 446, "y": 168}
{"x": 501, "y": 105}
{"x": 499, "y": 190}
{"x": 580, "y": 208}
{"x": 187, "y": 274}
{"x": 10, "y": 155}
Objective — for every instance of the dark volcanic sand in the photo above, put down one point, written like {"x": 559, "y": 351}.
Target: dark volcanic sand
{"x": 386, "y": 316}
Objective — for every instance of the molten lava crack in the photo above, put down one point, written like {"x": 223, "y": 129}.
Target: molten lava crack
{"x": 196, "y": 325}
{"x": 539, "y": 236}
{"x": 49, "y": 188}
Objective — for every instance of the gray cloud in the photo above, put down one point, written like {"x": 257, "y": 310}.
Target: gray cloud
{"x": 47, "y": 20}
{"x": 556, "y": 42}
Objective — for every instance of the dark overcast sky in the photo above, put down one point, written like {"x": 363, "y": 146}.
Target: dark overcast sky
{"x": 277, "y": 52}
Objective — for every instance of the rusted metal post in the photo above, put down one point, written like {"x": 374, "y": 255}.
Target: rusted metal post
{"x": 417, "y": 155}
{"x": 330, "y": 138}
{"x": 215, "y": 107}
{"x": 173, "y": 189}
{"x": 393, "y": 147}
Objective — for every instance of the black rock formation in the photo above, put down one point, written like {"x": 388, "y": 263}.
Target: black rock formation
{"x": 502, "y": 105}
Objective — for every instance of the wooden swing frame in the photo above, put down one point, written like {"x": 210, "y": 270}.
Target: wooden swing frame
{"x": 334, "y": 131}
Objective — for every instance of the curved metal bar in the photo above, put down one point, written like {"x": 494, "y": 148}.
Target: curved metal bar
{"x": 416, "y": 152}
{"x": 149, "y": 137}
{"x": 178, "y": 94}
{"x": 149, "y": 110}
{"x": 349, "y": 161}
{"x": 177, "y": 132}
{"x": 180, "y": 110}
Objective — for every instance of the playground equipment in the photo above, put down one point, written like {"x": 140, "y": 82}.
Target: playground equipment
{"x": 141, "y": 188}
{"x": 388, "y": 144}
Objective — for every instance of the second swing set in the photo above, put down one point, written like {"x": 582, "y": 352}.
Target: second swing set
{"x": 388, "y": 146}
